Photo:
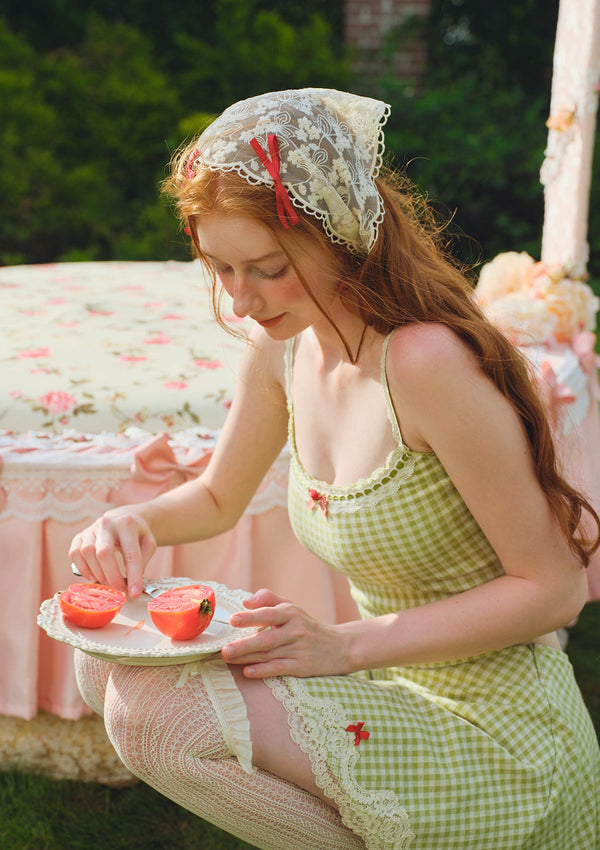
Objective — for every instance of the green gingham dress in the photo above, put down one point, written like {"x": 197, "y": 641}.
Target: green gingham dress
{"x": 492, "y": 752}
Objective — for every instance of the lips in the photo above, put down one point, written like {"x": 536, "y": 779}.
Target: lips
{"x": 270, "y": 323}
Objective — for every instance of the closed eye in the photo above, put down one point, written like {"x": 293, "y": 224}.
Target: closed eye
{"x": 280, "y": 273}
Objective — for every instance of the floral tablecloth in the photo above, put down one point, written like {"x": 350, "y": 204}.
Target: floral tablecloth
{"x": 106, "y": 346}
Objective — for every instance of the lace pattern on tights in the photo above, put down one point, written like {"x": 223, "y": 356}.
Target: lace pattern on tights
{"x": 171, "y": 738}
{"x": 319, "y": 730}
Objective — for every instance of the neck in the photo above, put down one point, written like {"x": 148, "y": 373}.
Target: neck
{"x": 343, "y": 338}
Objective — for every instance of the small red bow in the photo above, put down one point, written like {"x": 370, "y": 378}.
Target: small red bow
{"x": 189, "y": 166}
{"x": 359, "y": 734}
{"x": 316, "y": 498}
{"x": 285, "y": 210}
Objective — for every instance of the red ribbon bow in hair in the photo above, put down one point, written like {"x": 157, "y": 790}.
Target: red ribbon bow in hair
{"x": 359, "y": 733}
{"x": 189, "y": 166}
{"x": 285, "y": 210}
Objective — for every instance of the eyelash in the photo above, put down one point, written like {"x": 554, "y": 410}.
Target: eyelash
{"x": 275, "y": 276}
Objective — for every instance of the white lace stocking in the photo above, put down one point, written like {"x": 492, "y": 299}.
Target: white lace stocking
{"x": 172, "y": 738}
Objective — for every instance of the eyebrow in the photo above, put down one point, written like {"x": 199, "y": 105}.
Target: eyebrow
{"x": 268, "y": 256}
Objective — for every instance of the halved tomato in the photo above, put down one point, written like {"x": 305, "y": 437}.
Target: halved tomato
{"x": 91, "y": 605}
{"x": 183, "y": 613}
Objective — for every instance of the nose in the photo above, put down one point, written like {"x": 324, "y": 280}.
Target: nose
{"x": 244, "y": 297}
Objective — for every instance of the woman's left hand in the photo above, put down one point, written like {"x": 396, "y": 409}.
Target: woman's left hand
{"x": 290, "y": 641}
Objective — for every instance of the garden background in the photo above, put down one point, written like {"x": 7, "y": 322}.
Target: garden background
{"x": 94, "y": 98}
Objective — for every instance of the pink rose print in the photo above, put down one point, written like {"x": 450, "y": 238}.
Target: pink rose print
{"x": 175, "y": 385}
{"x": 57, "y": 401}
{"x": 158, "y": 339}
{"x": 132, "y": 358}
{"x": 15, "y": 394}
{"x": 208, "y": 364}
{"x": 35, "y": 352}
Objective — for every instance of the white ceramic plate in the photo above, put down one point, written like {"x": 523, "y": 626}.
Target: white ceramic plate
{"x": 132, "y": 637}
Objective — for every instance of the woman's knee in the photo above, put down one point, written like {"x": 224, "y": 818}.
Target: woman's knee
{"x": 154, "y": 724}
{"x": 92, "y": 675}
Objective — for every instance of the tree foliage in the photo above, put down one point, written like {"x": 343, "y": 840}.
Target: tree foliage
{"x": 474, "y": 136}
{"x": 89, "y": 118}
{"x": 92, "y": 103}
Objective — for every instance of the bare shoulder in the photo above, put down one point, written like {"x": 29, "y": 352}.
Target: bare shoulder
{"x": 440, "y": 390}
{"x": 421, "y": 353}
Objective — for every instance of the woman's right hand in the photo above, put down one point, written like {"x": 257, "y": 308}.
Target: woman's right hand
{"x": 119, "y": 540}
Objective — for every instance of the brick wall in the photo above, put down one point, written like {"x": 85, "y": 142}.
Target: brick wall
{"x": 366, "y": 25}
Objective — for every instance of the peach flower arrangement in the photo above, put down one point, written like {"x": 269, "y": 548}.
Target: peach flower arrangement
{"x": 534, "y": 304}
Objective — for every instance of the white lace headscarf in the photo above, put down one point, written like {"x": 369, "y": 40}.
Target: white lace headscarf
{"x": 320, "y": 149}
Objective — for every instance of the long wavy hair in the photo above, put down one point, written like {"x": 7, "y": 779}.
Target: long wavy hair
{"x": 408, "y": 277}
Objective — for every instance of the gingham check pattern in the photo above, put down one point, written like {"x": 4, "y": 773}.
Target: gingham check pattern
{"x": 495, "y": 752}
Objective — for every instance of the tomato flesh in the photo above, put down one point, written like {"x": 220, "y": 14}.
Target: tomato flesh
{"x": 91, "y": 606}
{"x": 183, "y": 613}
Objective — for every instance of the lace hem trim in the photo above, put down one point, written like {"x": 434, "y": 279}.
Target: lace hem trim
{"x": 229, "y": 707}
{"x": 377, "y": 816}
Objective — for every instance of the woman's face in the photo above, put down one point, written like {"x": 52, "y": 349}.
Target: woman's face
{"x": 256, "y": 273}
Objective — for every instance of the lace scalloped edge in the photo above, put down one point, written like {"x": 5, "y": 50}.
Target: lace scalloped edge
{"x": 376, "y": 816}
{"x": 357, "y": 497}
{"x": 54, "y": 508}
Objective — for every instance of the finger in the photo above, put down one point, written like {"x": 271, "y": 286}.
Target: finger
{"x": 265, "y": 617}
{"x": 136, "y": 550}
{"x": 263, "y": 598}
{"x": 86, "y": 559}
{"x": 275, "y": 667}
{"x": 106, "y": 555}
{"x": 79, "y": 561}
{"x": 256, "y": 647}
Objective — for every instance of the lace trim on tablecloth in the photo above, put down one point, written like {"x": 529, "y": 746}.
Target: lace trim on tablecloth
{"x": 377, "y": 816}
{"x": 73, "y": 476}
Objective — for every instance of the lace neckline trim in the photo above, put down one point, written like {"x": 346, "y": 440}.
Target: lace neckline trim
{"x": 398, "y": 465}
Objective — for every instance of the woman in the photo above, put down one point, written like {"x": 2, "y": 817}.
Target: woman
{"x": 422, "y": 467}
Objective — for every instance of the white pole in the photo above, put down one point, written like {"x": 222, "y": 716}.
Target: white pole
{"x": 567, "y": 169}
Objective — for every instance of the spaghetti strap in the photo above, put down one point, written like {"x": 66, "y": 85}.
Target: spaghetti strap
{"x": 388, "y": 398}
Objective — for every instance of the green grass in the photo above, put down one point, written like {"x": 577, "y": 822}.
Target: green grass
{"x": 37, "y": 813}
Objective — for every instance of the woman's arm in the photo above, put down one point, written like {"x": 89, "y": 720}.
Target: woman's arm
{"x": 445, "y": 403}
{"x": 254, "y": 433}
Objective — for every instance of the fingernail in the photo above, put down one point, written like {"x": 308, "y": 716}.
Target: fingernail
{"x": 135, "y": 590}
{"x": 249, "y": 671}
